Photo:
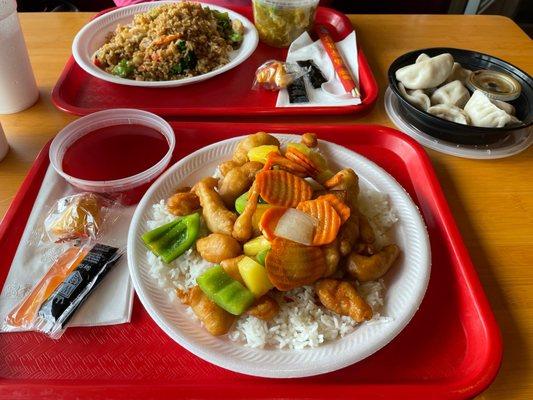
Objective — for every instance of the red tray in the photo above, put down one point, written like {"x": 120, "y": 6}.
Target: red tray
{"x": 228, "y": 94}
{"x": 451, "y": 349}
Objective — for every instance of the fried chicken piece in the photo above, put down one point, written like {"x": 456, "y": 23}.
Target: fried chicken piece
{"x": 370, "y": 268}
{"x": 231, "y": 266}
{"x": 365, "y": 249}
{"x": 348, "y": 234}
{"x": 227, "y": 166}
{"x": 345, "y": 179}
{"x": 237, "y": 181}
{"x": 366, "y": 232}
{"x": 333, "y": 256}
{"x": 243, "y": 228}
{"x": 217, "y": 247}
{"x": 217, "y": 217}
{"x": 342, "y": 297}
{"x": 265, "y": 308}
{"x": 183, "y": 202}
{"x": 309, "y": 139}
{"x": 240, "y": 155}
{"x": 216, "y": 320}
{"x": 348, "y": 181}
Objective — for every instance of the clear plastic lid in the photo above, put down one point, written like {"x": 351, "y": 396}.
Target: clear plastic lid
{"x": 289, "y": 3}
{"x": 7, "y": 7}
{"x": 509, "y": 146}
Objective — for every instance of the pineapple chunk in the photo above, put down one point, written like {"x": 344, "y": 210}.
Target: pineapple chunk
{"x": 256, "y": 245}
{"x": 259, "y": 211}
{"x": 254, "y": 276}
{"x": 260, "y": 153}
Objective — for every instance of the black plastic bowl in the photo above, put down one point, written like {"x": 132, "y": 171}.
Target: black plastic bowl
{"x": 459, "y": 133}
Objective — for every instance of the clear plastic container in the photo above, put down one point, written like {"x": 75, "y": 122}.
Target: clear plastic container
{"x": 127, "y": 190}
{"x": 280, "y": 22}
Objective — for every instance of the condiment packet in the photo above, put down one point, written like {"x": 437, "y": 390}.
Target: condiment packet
{"x": 331, "y": 93}
{"x": 111, "y": 302}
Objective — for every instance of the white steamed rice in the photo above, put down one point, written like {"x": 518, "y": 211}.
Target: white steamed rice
{"x": 301, "y": 322}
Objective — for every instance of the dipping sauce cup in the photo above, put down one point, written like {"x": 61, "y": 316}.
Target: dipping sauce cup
{"x": 118, "y": 152}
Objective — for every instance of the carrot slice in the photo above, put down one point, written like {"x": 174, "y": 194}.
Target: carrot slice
{"x": 290, "y": 265}
{"x": 281, "y": 188}
{"x": 342, "y": 209}
{"x": 302, "y": 159}
{"x": 329, "y": 221}
{"x": 269, "y": 220}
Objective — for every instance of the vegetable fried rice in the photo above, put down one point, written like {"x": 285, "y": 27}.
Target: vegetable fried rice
{"x": 169, "y": 42}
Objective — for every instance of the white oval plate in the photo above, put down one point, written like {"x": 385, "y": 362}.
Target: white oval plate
{"x": 406, "y": 284}
{"x": 91, "y": 37}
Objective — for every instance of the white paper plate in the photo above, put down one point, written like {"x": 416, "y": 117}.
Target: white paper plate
{"x": 406, "y": 284}
{"x": 91, "y": 37}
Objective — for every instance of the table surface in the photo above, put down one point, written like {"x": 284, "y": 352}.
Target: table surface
{"x": 492, "y": 201}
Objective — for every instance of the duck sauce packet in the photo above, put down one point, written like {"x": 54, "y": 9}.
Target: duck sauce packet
{"x": 57, "y": 310}
{"x": 64, "y": 288}
{"x": 23, "y": 315}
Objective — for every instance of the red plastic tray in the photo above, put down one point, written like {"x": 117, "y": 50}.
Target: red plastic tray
{"x": 451, "y": 349}
{"x": 228, "y": 94}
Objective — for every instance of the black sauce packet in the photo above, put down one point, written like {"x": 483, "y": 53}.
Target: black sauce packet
{"x": 316, "y": 77}
{"x": 57, "y": 310}
{"x": 297, "y": 92}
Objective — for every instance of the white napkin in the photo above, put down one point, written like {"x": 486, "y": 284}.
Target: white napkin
{"x": 111, "y": 301}
{"x": 332, "y": 93}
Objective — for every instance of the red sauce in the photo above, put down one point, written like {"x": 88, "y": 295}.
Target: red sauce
{"x": 114, "y": 152}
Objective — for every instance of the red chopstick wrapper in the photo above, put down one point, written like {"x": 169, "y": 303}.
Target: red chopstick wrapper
{"x": 338, "y": 63}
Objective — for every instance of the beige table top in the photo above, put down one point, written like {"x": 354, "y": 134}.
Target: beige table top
{"x": 491, "y": 201}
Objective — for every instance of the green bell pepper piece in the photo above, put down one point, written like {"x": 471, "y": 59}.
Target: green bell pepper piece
{"x": 225, "y": 291}
{"x": 158, "y": 232}
{"x": 261, "y": 256}
{"x": 240, "y": 202}
{"x": 172, "y": 240}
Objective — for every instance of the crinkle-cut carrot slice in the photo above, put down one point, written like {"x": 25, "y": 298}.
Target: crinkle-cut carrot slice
{"x": 269, "y": 221}
{"x": 329, "y": 221}
{"x": 302, "y": 159}
{"x": 281, "y": 188}
{"x": 290, "y": 265}
{"x": 342, "y": 209}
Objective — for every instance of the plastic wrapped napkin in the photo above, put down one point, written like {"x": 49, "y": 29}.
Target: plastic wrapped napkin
{"x": 332, "y": 93}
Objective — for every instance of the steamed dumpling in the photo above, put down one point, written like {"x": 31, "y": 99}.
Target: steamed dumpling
{"x": 450, "y": 113}
{"x": 422, "y": 57}
{"x": 453, "y": 94}
{"x": 427, "y": 73}
{"x": 458, "y": 74}
{"x": 508, "y": 108}
{"x": 484, "y": 113}
{"x": 416, "y": 97}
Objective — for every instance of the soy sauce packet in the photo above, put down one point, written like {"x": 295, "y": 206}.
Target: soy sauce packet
{"x": 60, "y": 306}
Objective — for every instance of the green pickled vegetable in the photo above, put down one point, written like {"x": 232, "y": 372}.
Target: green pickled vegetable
{"x": 280, "y": 25}
{"x": 225, "y": 291}
{"x": 173, "y": 239}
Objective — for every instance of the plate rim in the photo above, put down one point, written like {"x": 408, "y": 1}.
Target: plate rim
{"x": 252, "y": 369}
{"x": 88, "y": 67}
